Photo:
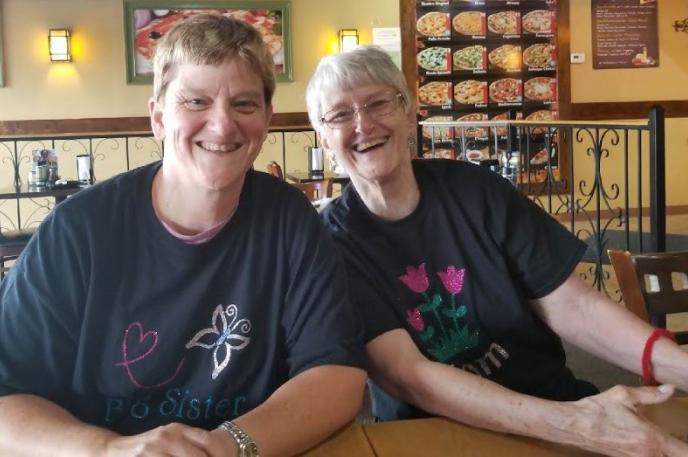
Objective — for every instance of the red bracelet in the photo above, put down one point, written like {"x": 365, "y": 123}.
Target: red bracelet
{"x": 647, "y": 353}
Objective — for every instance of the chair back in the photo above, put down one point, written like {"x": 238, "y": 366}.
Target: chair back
{"x": 275, "y": 170}
{"x": 653, "y": 285}
{"x": 316, "y": 190}
{"x": 12, "y": 243}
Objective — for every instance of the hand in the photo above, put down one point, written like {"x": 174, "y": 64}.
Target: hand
{"x": 173, "y": 440}
{"x": 609, "y": 424}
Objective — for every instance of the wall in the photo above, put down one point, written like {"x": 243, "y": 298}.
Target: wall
{"x": 666, "y": 82}
{"x": 94, "y": 85}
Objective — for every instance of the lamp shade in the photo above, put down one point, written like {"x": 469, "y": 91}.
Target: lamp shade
{"x": 58, "y": 40}
{"x": 348, "y": 39}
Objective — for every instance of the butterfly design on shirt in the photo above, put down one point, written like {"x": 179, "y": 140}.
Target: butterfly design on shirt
{"x": 226, "y": 334}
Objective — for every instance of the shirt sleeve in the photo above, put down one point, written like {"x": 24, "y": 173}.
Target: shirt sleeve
{"x": 540, "y": 252}
{"x": 320, "y": 323}
{"x": 39, "y": 315}
{"x": 369, "y": 289}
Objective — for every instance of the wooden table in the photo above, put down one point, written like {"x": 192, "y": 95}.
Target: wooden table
{"x": 438, "y": 436}
{"x": 348, "y": 442}
{"x": 302, "y": 176}
{"x": 442, "y": 437}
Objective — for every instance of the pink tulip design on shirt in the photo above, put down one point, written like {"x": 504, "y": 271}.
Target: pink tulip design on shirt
{"x": 415, "y": 320}
{"x": 452, "y": 279}
{"x": 449, "y": 340}
{"x": 416, "y": 279}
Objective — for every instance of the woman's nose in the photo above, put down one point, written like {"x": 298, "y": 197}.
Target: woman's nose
{"x": 362, "y": 120}
{"x": 222, "y": 119}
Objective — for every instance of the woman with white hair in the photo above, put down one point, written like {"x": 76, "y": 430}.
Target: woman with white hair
{"x": 466, "y": 286}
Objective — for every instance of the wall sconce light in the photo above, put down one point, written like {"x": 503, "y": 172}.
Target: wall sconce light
{"x": 59, "y": 41}
{"x": 681, "y": 26}
{"x": 348, "y": 39}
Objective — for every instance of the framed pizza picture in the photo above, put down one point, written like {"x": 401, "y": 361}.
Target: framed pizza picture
{"x": 146, "y": 21}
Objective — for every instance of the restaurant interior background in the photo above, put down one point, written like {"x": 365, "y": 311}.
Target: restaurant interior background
{"x": 91, "y": 93}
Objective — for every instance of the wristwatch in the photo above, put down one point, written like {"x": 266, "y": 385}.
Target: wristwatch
{"x": 247, "y": 447}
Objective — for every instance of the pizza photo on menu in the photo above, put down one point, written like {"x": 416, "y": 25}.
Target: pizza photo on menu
{"x": 470, "y": 92}
{"x": 470, "y": 58}
{"x": 435, "y": 59}
{"x": 538, "y": 21}
{"x": 541, "y": 89}
{"x": 469, "y": 23}
{"x": 506, "y": 57}
{"x": 506, "y": 90}
{"x": 433, "y": 24}
{"x": 436, "y": 93}
{"x": 542, "y": 115}
{"x": 437, "y": 153}
{"x": 540, "y": 55}
{"x": 438, "y": 133}
{"x": 501, "y": 131}
{"x": 472, "y": 132}
{"x": 504, "y": 23}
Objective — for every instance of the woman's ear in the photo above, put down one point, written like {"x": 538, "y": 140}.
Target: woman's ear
{"x": 323, "y": 140}
{"x": 157, "y": 125}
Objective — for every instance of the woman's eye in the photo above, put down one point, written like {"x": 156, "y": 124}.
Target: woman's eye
{"x": 246, "y": 106}
{"x": 194, "y": 103}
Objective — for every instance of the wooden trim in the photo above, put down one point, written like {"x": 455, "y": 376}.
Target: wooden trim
{"x": 632, "y": 212}
{"x": 563, "y": 64}
{"x": 279, "y": 121}
{"x": 407, "y": 23}
{"x": 626, "y": 110}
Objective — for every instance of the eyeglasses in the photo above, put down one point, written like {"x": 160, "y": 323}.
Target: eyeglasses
{"x": 381, "y": 105}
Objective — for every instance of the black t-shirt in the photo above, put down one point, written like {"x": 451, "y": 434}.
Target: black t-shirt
{"x": 458, "y": 272}
{"x": 127, "y": 327}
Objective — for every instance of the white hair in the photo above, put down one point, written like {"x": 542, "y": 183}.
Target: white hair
{"x": 346, "y": 70}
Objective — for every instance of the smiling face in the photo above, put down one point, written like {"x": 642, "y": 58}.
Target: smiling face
{"x": 372, "y": 148}
{"x": 213, "y": 120}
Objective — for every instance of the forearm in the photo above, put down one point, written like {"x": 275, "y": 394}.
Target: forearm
{"x": 611, "y": 332}
{"x": 35, "y": 427}
{"x": 305, "y": 410}
{"x": 447, "y": 391}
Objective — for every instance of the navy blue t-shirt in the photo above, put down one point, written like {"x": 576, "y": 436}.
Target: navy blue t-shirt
{"x": 127, "y": 327}
{"x": 457, "y": 274}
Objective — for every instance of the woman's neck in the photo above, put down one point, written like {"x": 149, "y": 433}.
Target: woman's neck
{"x": 391, "y": 199}
{"x": 188, "y": 210}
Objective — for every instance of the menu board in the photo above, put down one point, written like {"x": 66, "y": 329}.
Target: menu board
{"x": 624, "y": 34}
{"x": 480, "y": 60}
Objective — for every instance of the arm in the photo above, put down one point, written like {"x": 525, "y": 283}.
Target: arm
{"x": 305, "y": 410}
{"x": 32, "y": 426}
{"x": 582, "y": 316}
{"x": 301, "y": 413}
{"x": 605, "y": 423}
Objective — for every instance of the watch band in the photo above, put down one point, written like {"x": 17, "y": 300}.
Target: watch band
{"x": 247, "y": 447}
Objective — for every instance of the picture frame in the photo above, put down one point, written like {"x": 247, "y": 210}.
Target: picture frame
{"x": 145, "y": 22}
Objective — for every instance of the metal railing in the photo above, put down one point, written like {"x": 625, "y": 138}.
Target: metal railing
{"x": 600, "y": 179}
{"x": 111, "y": 154}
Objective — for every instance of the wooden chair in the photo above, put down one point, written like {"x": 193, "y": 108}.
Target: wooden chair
{"x": 316, "y": 190}
{"x": 275, "y": 170}
{"x": 12, "y": 243}
{"x": 653, "y": 285}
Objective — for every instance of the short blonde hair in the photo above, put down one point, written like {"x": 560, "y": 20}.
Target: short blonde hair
{"x": 210, "y": 39}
